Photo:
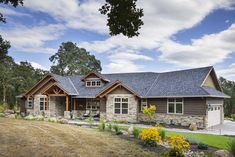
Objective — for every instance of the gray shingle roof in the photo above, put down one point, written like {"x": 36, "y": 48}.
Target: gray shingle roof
{"x": 184, "y": 83}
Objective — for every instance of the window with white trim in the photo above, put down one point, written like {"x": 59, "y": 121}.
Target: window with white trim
{"x": 93, "y": 83}
{"x": 175, "y": 105}
{"x": 43, "y": 104}
{"x": 30, "y": 102}
{"x": 121, "y": 105}
{"x": 143, "y": 104}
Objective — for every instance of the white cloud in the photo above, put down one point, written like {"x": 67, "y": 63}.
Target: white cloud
{"x": 37, "y": 65}
{"x": 228, "y": 73}
{"x": 208, "y": 50}
{"x": 126, "y": 62}
{"x": 32, "y": 39}
{"x": 10, "y": 12}
{"x": 75, "y": 14}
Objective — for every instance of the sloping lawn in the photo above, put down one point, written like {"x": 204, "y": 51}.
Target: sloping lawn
{"x": 211, "y": 140}
{"x": 38, "y": 138}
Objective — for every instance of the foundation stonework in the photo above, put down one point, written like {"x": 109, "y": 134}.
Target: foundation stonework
{"x": 132, "y": 108}
{"x": 67, "y": 115}
{"x": 180, "y": 120}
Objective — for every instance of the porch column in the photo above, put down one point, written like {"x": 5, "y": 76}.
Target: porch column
{"x": 67, "y": 112}
{"x": 74, "y": 104}
{"x": 67, "y": 103}
{"x": 74, "y": 112}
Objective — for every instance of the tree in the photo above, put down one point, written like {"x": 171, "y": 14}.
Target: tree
{"x": 123, "y": 17}
{"x": 14, "y": 3}
{"x": 149, "y": 112}
{"x": 4, "y": 46}
{"x": 229, "y": 89}
{"x": 72, "y": 60}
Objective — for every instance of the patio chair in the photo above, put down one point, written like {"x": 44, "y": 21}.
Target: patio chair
{"x": 96, "y": 114}
{"x": 87, "y": 113}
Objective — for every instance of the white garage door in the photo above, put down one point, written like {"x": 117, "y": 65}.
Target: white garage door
{"x": 214, "y": 115}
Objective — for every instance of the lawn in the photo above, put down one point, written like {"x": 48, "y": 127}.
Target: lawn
{"x": 216, "y": 141}
{"x": 38, "y": 138}
{"x": 211, "y": 140}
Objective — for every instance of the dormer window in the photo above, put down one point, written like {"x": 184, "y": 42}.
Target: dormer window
{"x": 93, "y": 83}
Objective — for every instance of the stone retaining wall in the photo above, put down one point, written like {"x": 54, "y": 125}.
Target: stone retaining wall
{"x": 180, "y": 120}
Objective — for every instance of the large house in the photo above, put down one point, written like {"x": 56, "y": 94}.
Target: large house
{"x": 182, "y": 97}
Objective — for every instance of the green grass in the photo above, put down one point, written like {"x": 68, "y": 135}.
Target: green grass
{"x": 217, "y": 141}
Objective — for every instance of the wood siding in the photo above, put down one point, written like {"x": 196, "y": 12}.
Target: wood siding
{"x": 195, "y": 106}
{"x": 192, "y": 106}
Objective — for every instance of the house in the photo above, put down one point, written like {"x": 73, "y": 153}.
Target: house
{"x": 182, "y": 97}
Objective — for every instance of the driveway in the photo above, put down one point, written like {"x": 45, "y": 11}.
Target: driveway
{"x": 227, "y": 128}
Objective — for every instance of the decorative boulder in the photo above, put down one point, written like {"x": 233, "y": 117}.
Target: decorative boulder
{"x": 64, "y": 121}
{"x": 11, "y": 116}
{"x": 9, "y": 111}
{"x": 193, "y": 127}
{"x": 222, "y": 153}
{"x": 130, "y": 130}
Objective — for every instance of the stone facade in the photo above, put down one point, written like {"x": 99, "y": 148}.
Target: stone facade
{"x": 180, "y": 120}
{"x": 56, "y": 106}
{"x": 132, "y": 111}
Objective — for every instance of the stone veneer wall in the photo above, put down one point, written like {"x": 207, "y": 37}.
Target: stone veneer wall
{"x": 132, "y": 112}
{"x": 181, "y": 120}
{"x": 56, "y": 106}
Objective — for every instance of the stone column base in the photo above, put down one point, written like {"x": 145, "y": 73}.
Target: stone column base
{"x": 74, "y": 114}
{"x": 67, "y": 115}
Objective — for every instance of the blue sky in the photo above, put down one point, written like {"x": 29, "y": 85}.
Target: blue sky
{"x": 177, "y": 34}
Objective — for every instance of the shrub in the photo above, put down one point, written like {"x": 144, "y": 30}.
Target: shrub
{"x": 149, "y": 112}
{"x": 39, "y": 117}
{"x": 202, "y": 146}
{"x": 136, "y": 132}
{"x": 231, "y": 146}
{"x": 102, "y": 125}
{"x": 29, "y": 117}
{"x": 150, "y": 137}
{"x": 161, "y": 131}
{"x": 110, "y": 127}
{"x": 233, "y": 116}
{"x": 3, "y": 107}
{"x": 52, "y": 119}
{"x": 178, "y": 146}
{"x": 90, "y": 120}
{"x": 117, "y": 129}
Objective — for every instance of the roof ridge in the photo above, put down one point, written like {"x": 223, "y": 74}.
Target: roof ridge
{"x": 187, "y": 69}
{"x": 73, "y": 85}
{"x": 156, "y": 79}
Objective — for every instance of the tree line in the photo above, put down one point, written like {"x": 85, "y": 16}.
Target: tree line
{"x": 17, "y": 78}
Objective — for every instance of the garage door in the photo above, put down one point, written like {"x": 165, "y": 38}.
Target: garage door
{"x": 214, "y": 115}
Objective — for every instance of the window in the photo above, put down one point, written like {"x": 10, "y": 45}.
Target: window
{"x": 175, "y": 106}
{"x": 30, "y": 102}
{"x": 98, "y": 83}
{"x": 95, "y": 83}
{"x": 144, "y": 103}
{"x": 93, "y": 104}
{"x": 121, "y": 105}
{"x": 88, "y": 83}
{"x": 43, "y": 104}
